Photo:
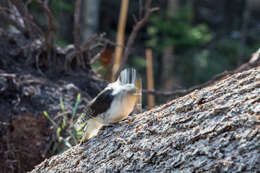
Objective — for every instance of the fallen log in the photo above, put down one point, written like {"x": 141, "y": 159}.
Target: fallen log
{"x": 214, "y": 129}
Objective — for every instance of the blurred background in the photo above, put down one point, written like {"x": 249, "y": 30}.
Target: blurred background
{"x": 191, "y": 40}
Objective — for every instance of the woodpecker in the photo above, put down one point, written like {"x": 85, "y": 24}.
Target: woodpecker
{"x": 111, "y": 105}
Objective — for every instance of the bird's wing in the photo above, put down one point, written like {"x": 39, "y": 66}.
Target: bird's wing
{"x": 101, "y": 102}
{"x": 98, "y": 105}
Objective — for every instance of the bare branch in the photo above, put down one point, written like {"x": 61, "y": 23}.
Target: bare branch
{"x": 133, "y": 34}
{"x": 95, "y": 58}
{"x": 253, "y": 62}
{"x": 182, "y": 92}
{"x": 5, "y": 13}
{"x": 135, "y": 18}
{"x": 51, "y": 25}
{"x": 79, "y": 54}
{"x": 75, "y": 53}
{"x": 109, "y": 42}
{"x": 90, "y": 40}
{"x": 50, "y": 34}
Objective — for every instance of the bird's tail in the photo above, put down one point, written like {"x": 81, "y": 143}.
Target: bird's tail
{"x": 82, "y": 119}
{"x": 129, "y": 76}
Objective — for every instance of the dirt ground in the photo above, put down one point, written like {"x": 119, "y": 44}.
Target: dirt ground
{"x": 24, "y": 143}
{"x": 27, "y": 91}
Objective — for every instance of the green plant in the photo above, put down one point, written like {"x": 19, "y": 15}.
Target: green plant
{"x": 188, "y": 41}
{"x": 178, "y": 31}
{"x": 67, "y": 132}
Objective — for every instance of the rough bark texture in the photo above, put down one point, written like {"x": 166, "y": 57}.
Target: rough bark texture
{"x": 215, "y": 129}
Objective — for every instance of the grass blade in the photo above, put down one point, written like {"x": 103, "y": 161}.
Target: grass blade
{"x": 50, "y": 119}
{"x": 76, "y": 105}
{"x": 62, "y": 105}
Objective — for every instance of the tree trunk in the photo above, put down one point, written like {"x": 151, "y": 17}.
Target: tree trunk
{"x": 89, "y": 18}
{"x": 169, "y": 81}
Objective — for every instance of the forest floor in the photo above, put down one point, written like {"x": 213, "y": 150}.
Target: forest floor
{"x": 25, "y": 92}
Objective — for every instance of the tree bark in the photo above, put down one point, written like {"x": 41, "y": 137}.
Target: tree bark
{"x": 215, "y": 129}
{"x": 168, "y": 55}
{"x": 89, "y": 18}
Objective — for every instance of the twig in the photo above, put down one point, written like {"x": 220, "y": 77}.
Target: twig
{"x": 109, "y": 42}
{"x": 86, "y": 46}
{"x": 95, "y": 58}
{"x": 186, "y": 91}
{"x": 135, "y": 18}
{"x": 133, "y": 34}
{"x": 51, "y": 24}
{"x": 50, "y": 34}
{"x": 8, "y": 75}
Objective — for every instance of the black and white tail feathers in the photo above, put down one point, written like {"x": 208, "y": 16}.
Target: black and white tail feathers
{"x": 127, "y": 76}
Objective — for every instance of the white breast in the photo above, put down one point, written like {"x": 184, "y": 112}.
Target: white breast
{"x": 120, "y": 108}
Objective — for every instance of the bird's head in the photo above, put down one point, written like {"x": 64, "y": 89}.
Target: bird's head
{"x": 121, "y": 88}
